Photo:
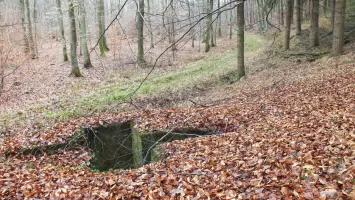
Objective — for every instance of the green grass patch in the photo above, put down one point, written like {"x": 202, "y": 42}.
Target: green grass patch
{"x": 211, "y": 69}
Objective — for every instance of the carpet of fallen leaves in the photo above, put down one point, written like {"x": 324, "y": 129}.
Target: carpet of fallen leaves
{"x": 293, "y": 141}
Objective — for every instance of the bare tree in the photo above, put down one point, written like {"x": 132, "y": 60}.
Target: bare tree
{"x": 61, "y": 30}
{"x": 288, "y": 24}
{"x": 208, "y": 26}
{"x": 140, "y": 25}
{"x": 101, "y": 27}
{"x": 219, "y": 19}
{"x": 150, "y": 24}
{"x": 83, "y": 32}
{"x": 213, "y": 44}
{"x": 313, "y": 35}
{"x": 29, "y": 30}
{"x": 75, "y": 71}
{"x": 338, "y": 34}
{"x": 240, "y": 39}
{"x": 332, "y": 7}
{"x": 298, "y": 16}
{"x": 23, "y": 24}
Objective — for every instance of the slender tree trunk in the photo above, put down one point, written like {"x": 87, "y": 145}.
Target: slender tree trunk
{"x": 83, "y": 32}
{"x": 100, "y": 13}
{"x": 240, "y": 40}
{"x": 61, "y": 30}
{"x": 313, "y": 35}
{"x": 288, "y": 24}
{"x": 192, "y": 32}
{"x": 219, "y": 19}
{"x": 213, "y": 44}
{"x": 260, "y": 17}
{"x": 140, "y": 25}
{"x": 338, "y": 34}
{"x": 35, "y": 27}
{"x": 282, "y": 13}
{"x": 103, "y": 24}
{"x": 305, "y": 9}
{"x": 293, "y": 5}
{"x": 332, "y": 2}
{"x": 75, "y": 71}
{"x": 298, "y": 17}
{"x": 150, "y": 25}
{"x": 324, "y": 8}
{"x": 29, "y": 29}
{"x": 230, "y": 21}
{"x": 208, "y": 26}
{"x": 23, "y": 24}
{"x": 173, "y": 48}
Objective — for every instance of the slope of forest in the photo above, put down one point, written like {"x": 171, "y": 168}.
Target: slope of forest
{"x": 286, "y": 130}
{"x": 293, "y": 140}
{"x": 270, "y": 119}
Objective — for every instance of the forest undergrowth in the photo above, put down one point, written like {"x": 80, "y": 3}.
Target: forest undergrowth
{"x": 287, "y": 131}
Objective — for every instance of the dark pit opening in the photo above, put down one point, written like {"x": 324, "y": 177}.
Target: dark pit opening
{"x": 120, "y": 146}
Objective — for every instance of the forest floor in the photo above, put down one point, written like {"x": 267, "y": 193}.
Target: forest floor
{"x": 287, "y": 128}
{"x": 39, "y": 92}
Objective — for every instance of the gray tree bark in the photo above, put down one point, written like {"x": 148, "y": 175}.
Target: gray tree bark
{"x": 83, "y": 32}
{"x": 298, "y": 17}
{"x": 150, "y": 25}
{"x": 190, "y": 14}
{"x": 213, "y": 44}
{"x": 75, "y": 71}
{"x": 23, "y": 24}
{"x": 35, "y": 27}
{"x": 338, "y": 34}
{"x": 313, "y": 35}
{"x": 230, "y": 21}
{"x": 101, "y": 27}
{"x": 288, "y": 24}
{"x": 140, "y": 17}
{"x": 240, "y": 40}
{"x": 219, "y": 19}
{"x": 29, "y": 30}
{"x": 61, "y": 31}
{"x": 208, "y": 26}
{"x": 332, "y": 7}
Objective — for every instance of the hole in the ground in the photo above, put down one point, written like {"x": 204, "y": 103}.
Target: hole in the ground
{"x": 120, "y": 146}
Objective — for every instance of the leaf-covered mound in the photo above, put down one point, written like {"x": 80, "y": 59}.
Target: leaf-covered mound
{"x": 291, "y": 141}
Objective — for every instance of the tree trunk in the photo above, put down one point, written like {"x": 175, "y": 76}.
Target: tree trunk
{"x": 192, "y": 31}
{"x": 282, "y": 13}
{"x": 213, "y": 44}
{"x": 298, "y": 17}
{"x": 332, "y": 2}
{"x": 101, "y": 27}
{"x": 23, "y": 24}
{"x": 324, "y": 7}
{"x": 219, "y": 19}
{"x": 150, "y": 25}
{"x": 140, "y": 24}
{"x": 208, "y": 26}
{"x": 240, "y": 39}
{"x": 83, "y": 32}
{"x": 288, "y": 24}
{"x": 313, "y": 35}
{"x": 29, "y": 29}
{"x": 230, "y": 20}
{"x": 173, "y": 48}
{"x": 75, "y": 71}
{"x": 61, "y": 30}
{"x": 103, "y": 18}
{"x": 35, "y": 27}
{"x": 338, "y": 34}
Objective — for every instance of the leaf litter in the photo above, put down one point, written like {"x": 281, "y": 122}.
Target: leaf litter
{"x": 295, "y": 141}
